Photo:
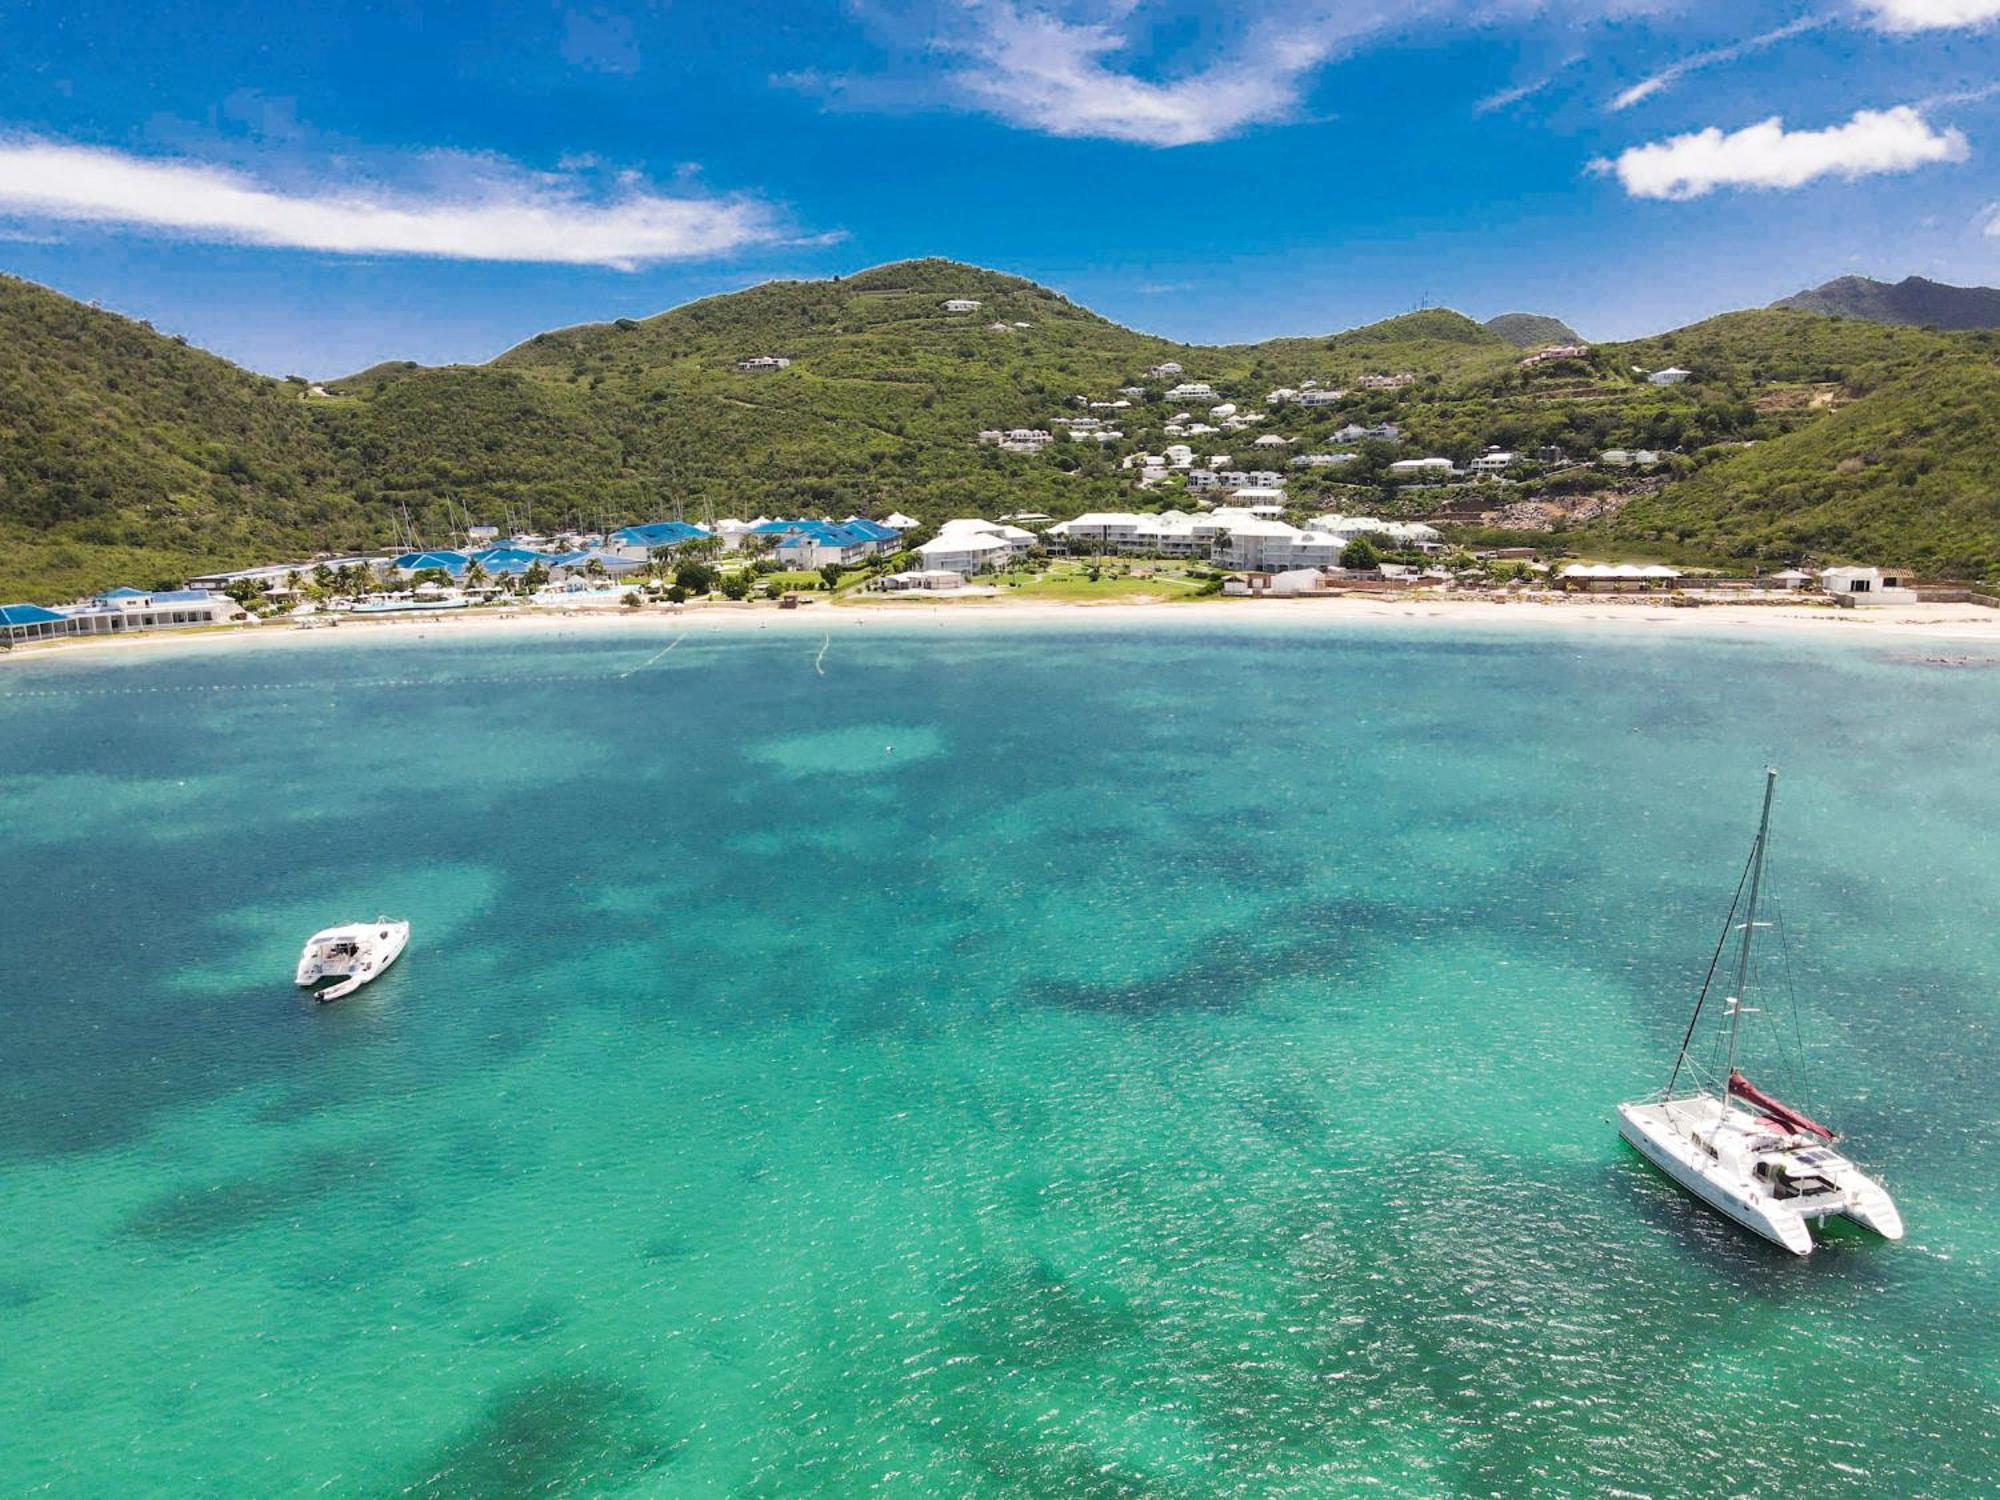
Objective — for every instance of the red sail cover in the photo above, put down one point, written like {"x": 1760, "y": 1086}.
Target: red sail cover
{"x": 1743, "y": 1088}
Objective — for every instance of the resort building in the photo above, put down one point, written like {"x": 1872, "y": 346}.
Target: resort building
{"x": 811, "y": 545}
{"x": 275, "y": 575}
{"x": 118, "y": 612}
{"x": 974, "y": 546}
{"x": 31, "y": 622}
{"x": 1416, "y": 535}
{"x": 409, "y": 564}
{"x": 589, "y": 562}
{"x": 642, "y": 541}
{"x": 927, "y": 580}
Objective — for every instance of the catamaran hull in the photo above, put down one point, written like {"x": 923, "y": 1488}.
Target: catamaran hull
{"x": 1668, "y": 1137}
{"x": 1673, "y": 1154}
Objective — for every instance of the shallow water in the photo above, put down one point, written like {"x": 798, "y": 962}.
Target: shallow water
{"x": 1145, "y": 1063}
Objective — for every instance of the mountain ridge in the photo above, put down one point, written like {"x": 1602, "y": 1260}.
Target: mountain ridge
{"x": 1914, "y": 301}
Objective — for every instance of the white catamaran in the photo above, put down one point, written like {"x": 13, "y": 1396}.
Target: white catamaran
{"x": 351, "y": 955}
{"x": 1763, "y": 1163}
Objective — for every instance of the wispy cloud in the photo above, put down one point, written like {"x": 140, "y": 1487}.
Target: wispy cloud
{"x": 1960, "y": 96}
{"x": 1766, "y": 155}
{"x": 495, "y": 212}
{"x": 1930, "y": 15}
{"x": 1034, "y": 68}
{"x": 1508, "y": 98}
{"x": 1668, "y": 76}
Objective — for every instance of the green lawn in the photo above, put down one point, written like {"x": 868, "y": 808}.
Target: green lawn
{"x": 1071, "y": 580}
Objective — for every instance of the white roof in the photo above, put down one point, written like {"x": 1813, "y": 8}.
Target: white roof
{"x": 954, "y": 543}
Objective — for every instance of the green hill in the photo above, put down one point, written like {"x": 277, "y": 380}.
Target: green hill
{"x": 127, "y": 455}
{"x": 1532, "y": 330}
{"x": 1910, "y": 474}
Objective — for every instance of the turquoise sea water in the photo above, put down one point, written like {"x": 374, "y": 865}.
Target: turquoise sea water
{"x": 1060, "y": 1061}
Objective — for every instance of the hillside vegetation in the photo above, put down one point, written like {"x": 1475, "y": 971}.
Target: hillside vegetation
{"x": 126, "y": 456}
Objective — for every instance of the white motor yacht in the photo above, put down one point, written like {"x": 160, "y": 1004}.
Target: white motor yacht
{"x": 1764, "y": 1163}
{"x": 350, "y": 956}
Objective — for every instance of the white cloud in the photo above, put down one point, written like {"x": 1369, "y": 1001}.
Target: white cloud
{"x": 1037, "y": 70}
{"x": 1667, "y": 77}
{"x": 1033, "y": 68}
{"x": 1766, "y": 155}
{"x": 504, "y": 214}
{"x": 1930, "y": 15}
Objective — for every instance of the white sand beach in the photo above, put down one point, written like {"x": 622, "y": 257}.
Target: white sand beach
{"x": 1951, "y": 628}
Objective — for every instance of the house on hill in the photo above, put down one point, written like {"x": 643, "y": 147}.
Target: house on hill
{"x": 1422, "y": 468}
{"x": 763, "y": 363}
{"x": 962, "y": 305}
{"x": 1555, "y": 354}
{"x": 1672, "y": 375}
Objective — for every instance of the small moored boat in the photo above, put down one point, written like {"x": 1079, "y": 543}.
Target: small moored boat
{"x": 349, "y": 956}
{"x": 1748, "y": 1155}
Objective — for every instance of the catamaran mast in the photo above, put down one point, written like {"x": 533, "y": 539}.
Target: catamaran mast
{"x": 1749, "y": 927}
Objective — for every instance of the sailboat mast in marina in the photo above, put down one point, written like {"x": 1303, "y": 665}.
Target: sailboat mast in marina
{"x": 1746, "y": 1154}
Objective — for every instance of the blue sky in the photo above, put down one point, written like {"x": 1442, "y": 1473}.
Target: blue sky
{"x": 312, "y": 188}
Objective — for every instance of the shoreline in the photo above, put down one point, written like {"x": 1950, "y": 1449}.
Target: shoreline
{"x": 1955, "y": 625}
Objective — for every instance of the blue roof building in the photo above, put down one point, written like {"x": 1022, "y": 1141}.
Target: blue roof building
{"x": 642, "y": 540}
{"x": 418, "y": 562}
{"x": 509, "y": 562}
{"x": 30, "y": 622}
{"x": 814, "y": 544}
